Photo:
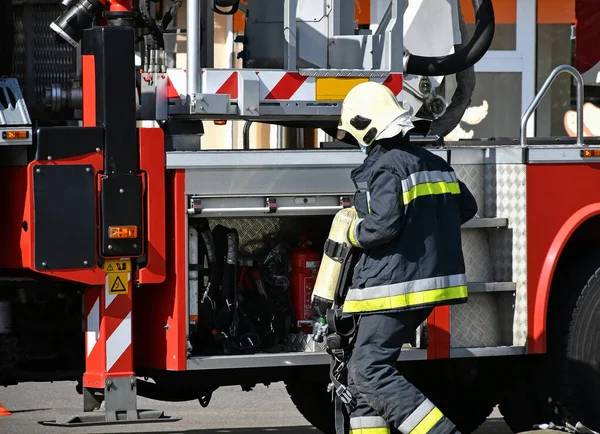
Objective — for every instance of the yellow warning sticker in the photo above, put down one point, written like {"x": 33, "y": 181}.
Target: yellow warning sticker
{"x": 118, "y": 283}
{"x": 120, "y": 266}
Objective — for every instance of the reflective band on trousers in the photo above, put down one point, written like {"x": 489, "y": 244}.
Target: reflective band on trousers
{"x": 428, "y": 183}
{"x": 422, "y": 419}
{"x": 405, "y": 294}
{"x": 368, "y": 425}
{"x": 369, "y": 431}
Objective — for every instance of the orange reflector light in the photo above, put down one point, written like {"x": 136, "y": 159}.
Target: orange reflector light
{"x": 15, "y": 135}
{"x": 220, "y": 122}
{"x": 122, "y": 232}
{"x": 590, "y": 153}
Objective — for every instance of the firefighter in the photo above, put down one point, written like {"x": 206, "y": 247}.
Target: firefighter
{"x": 410, "y": 208}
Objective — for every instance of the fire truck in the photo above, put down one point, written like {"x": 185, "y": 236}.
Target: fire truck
{"x": 139, "y": 263}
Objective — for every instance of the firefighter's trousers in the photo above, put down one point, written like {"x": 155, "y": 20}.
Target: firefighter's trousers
{"x": 384, "y": 398}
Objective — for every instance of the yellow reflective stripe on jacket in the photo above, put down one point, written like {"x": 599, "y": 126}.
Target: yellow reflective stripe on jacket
{"x": 422, "y": 419}
{"x": 405, "y": 300}
{"x": 368, "y": 425}
{"x": 401, "y": 288}
{"x": 430, "y": 189}
{"x": 427, "y": 183}
{"x": 352, "y": 232}
{"x": 406, "y": 294}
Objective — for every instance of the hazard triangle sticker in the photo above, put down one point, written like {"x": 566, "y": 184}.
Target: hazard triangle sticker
{"x": 117, "y": 286}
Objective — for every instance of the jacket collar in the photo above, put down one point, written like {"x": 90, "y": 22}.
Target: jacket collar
{"x": 373, "y": 154}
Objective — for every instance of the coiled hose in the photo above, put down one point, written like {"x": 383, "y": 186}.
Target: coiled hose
{"x": 461, "y": 99}
{"x": 467, "y": 56}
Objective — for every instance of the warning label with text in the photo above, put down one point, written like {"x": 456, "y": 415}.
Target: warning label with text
{"x": 122, "y": 266}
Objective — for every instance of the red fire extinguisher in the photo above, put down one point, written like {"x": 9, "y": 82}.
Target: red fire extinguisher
{"x": 305, "y": 264}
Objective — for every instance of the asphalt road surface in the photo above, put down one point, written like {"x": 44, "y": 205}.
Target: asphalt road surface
{"x": 231, "y": 411}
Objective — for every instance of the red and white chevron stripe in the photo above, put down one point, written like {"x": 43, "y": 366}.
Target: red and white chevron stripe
{"x": 273, "y": 85}
{"x": 286, "y": 86}
{"x": 109, "y": 350}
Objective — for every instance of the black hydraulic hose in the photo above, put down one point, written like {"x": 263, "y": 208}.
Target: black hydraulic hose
{"x": 461, "y": 99}
{"x": 170, "y": 16}
{"x": 468, "y": 56}
{"x": 246, "y": 135}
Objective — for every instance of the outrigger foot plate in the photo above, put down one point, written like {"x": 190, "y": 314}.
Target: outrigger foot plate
{"x": 120, "y": 402}
{"x": 100, "y": 418}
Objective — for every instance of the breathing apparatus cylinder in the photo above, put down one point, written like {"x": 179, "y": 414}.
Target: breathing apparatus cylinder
{"x": 305, "y": 264}
{"x": 326, "y": 285}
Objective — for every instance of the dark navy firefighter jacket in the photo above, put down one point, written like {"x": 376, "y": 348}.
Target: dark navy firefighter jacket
{"x": 411, "y": 207}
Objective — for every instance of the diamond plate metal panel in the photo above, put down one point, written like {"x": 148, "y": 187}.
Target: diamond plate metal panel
{"x": 254, "y": 233}
{"x": 507, "y": 197}
{"x": 304, "y": 343}
{"x": 476, "y": 323}
{"x": 473, "y": 176}
{"x": 506, "y": 312}
{"x": 485, "y": 321}
{"x": 478, "y": 261}
{"x": 258, "y": 235}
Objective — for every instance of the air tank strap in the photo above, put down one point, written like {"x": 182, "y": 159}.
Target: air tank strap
{"x": 338, "y": 344}
{"x": 336, "y": 251}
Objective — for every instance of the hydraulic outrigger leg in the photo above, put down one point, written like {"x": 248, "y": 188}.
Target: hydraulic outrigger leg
{"x": 108, "y": 67}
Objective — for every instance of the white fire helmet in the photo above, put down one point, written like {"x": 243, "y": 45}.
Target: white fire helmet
{"x": 371, "y": 112}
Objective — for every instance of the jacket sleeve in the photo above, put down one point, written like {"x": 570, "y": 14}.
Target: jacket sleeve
{"x": 382, "y": 224}
{"x": 467, "y": 203}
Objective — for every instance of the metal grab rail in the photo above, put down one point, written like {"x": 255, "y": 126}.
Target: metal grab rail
{"x": 265, "y": 210}
{"x": 538, "y": 98}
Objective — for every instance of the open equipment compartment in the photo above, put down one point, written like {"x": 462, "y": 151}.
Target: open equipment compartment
{"x": 271, "y": 203}
{"x": 248, "y": 212}
{"x": 249, "y": 292}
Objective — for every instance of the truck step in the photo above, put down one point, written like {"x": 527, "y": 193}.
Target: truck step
{"x": 263, "y": 360}
{"x": 486, "y": 222}
{"x": 480, "y": 287}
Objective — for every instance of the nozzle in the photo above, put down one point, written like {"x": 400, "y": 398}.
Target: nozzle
{"x": 321, "y": 331}
{"x": 79, "y": 16}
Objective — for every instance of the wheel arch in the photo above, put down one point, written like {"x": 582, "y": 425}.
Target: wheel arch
{"x": 566, "y": 243}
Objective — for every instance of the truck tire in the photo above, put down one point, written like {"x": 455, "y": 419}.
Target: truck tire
{"x": 523, "y": 399}
{"x": 574, "y": 347}
{"x": 459, "y": 388}
{"x": 313, "y": 401}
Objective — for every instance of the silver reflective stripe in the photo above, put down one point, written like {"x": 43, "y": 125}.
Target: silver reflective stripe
{"x": 367, "y": 422}
{"x": 427, "y": 176}
{"x": 362, "y": 185}
{"x": 413, "y": 419}
{"x": 385, "y": 291}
